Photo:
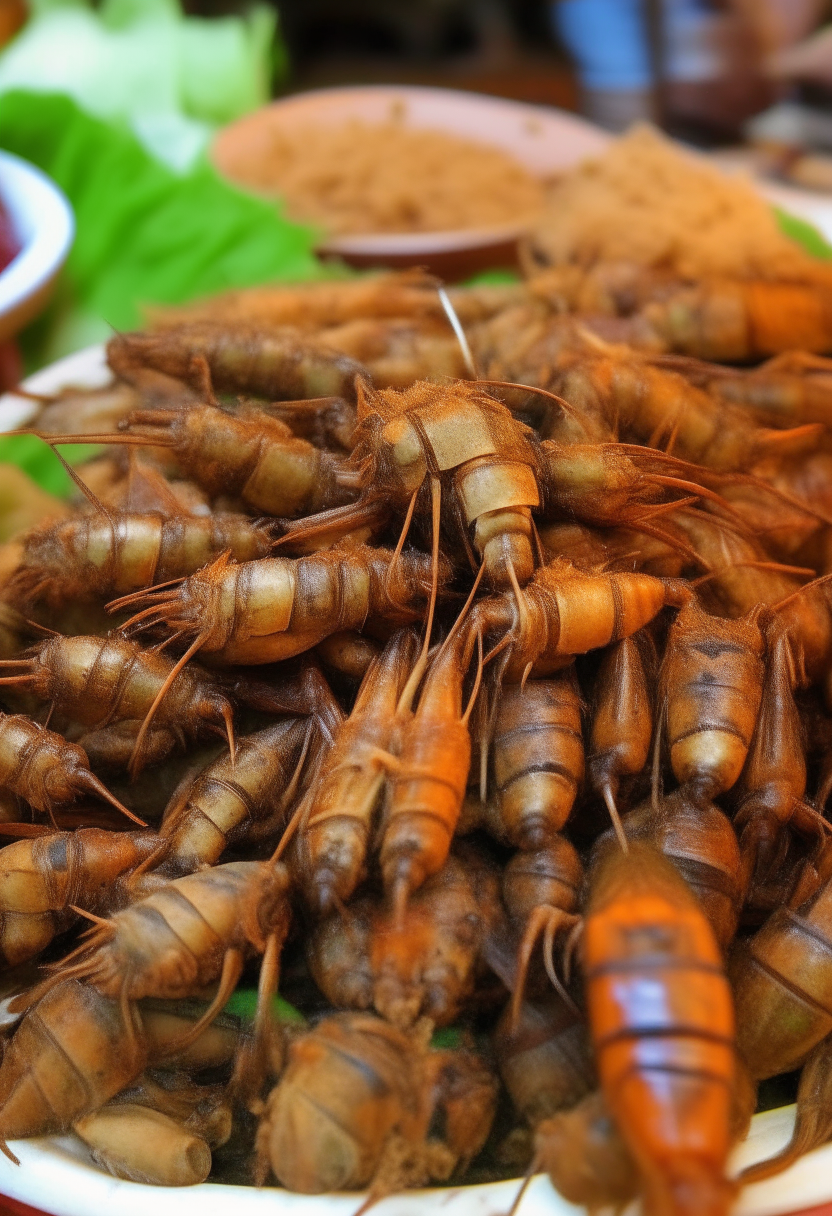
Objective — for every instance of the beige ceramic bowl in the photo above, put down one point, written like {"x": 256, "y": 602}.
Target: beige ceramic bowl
{"x": 544, "y": 140}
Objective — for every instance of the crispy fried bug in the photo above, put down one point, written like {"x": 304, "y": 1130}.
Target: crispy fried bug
{"x": 39, "y": 765}
{"x": 622, "y": 722}
{"x": 427, "y": 779}
{"x": 107, "y": 683}
{"x": 244, "y": 798}
{"x": 538, "y": 758}
{"x": 259, "y": 612}
{"x": 711, "y": 686}
{"x": 422, "y": 963}
{"x": 72, "y": 1052}
{"x": 732, "y": 321}
{"x": 700, "y": 842}
{"x": 191, "y": 932}
{"x": 90, "y": 556}
{"x": 782, "y": 981}
{"x": 332, "y": 846}
{"x": 355, "y": 1104}
{"x": 585, "y": 1155}
{"x": 544, "y": 1056}
{"x": 773, "y": 782}
{"x": 666, "y": 1063}
{"x": 248, "y": 453}
{"x": 565, "y": 611}
{"x": 617, "y": 548}
{"x": 268, "y": 363}
{"x": 43, "y": 880}
{"x": 411, "y": 445}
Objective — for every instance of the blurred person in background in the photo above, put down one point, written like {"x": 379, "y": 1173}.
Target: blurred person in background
{"x": 702, "y": 67}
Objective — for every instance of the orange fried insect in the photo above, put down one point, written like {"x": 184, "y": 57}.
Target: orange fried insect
{"x": 622, "y": 723}
{"x": 277, "y": 607}
{"x": 107, "y": 683}
{"x": 355, "y": 1106}
{"x": 427, "y": 779}
{"x": 88, "y": 556}
{"x": 191, "y": 932}
{"x": 332, "y": 846}
{"x": 244, "y": 798}
{"x": 566, "y": 611}
{"x": 699, "y": 840}
{"x": 659, "y": 407}
{"x": 773, "y": 782}
{"x": 73, "y": 1051}
{"x": 538, "y": 758}
{"x": 412, "y": 445}
{"x": 248, "y": 453}
{"x": 782, "y": 981}
{"x": 711, "y": 686}
{"x": 266, "y": 362}
{"x": 422, "y": 963}
{"x": 662, "y": 1025}
{"x": 40, "y": 766}
{"x": 733, "y": 320}
{"x": 42, "y": 881}
{"x": 544, "y": 1056}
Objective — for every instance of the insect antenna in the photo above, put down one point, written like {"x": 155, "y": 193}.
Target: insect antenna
{"x": 782, "y": 603}
{"x": 398, "y": 549}
{"x": 459, "y": 332}
{"x": 538, "y": 392}
{"x": 420, "y": 664}
{"x": 135, "y": 755}
{"x": 99, "y": 921}
{"x": 609, "y": 799}
{"x": 477, "y": 681}
{"x": 228, "y": 718}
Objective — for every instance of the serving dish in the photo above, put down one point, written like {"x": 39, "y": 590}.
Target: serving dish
{"x": 544, "y": 140}
{"x": 57, "y": 1175}
{"x": 43, "y": 221}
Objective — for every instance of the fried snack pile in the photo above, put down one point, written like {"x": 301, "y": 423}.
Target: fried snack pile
{"x": 487, "y": 718}
{"x": 361, "y": 177}
{"x": 650, "y": 202}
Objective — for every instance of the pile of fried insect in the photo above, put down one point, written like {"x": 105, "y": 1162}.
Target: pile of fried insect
{"x": 465, "y": 669}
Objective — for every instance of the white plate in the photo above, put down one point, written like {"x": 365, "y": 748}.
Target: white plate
{"x": 57, "y": 1174}
{"x": 543, "y": 139}
{"x": 44, "y": 224}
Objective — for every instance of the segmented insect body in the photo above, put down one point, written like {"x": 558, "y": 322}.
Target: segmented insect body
{"x": 773, "y": 782}
{"x": 40, "y": 766}
{"x": 263, "y": 611}
{"x": 711, "y": 686}
{"x": 552, "y": 875}
{"x": 622, "y": 722}
{"x": 782, "y": 980}
{"x": 422, "y": 963}
{"x": 267, "y": 362}
{"x": 42, "y": 880}
{"x": 566, "y": 611}
{"x": 544, "y": 1057}
{"x": 191, "y": 932}
{"x": 699, "y": 840}
{"x": 94, "y": 555}
{"x": 410, "y": 445}
{"x": 332, "y": 847}
{"x": 233, "y": 799}
{"x": 538, "y": 758}
{"x": 662, "y": 1025}
{"x": 72, "y": 1052}
{"x": 354, "y": 1107}
{"x": 427, "y": 780}
{"x": 111, "y": 683}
